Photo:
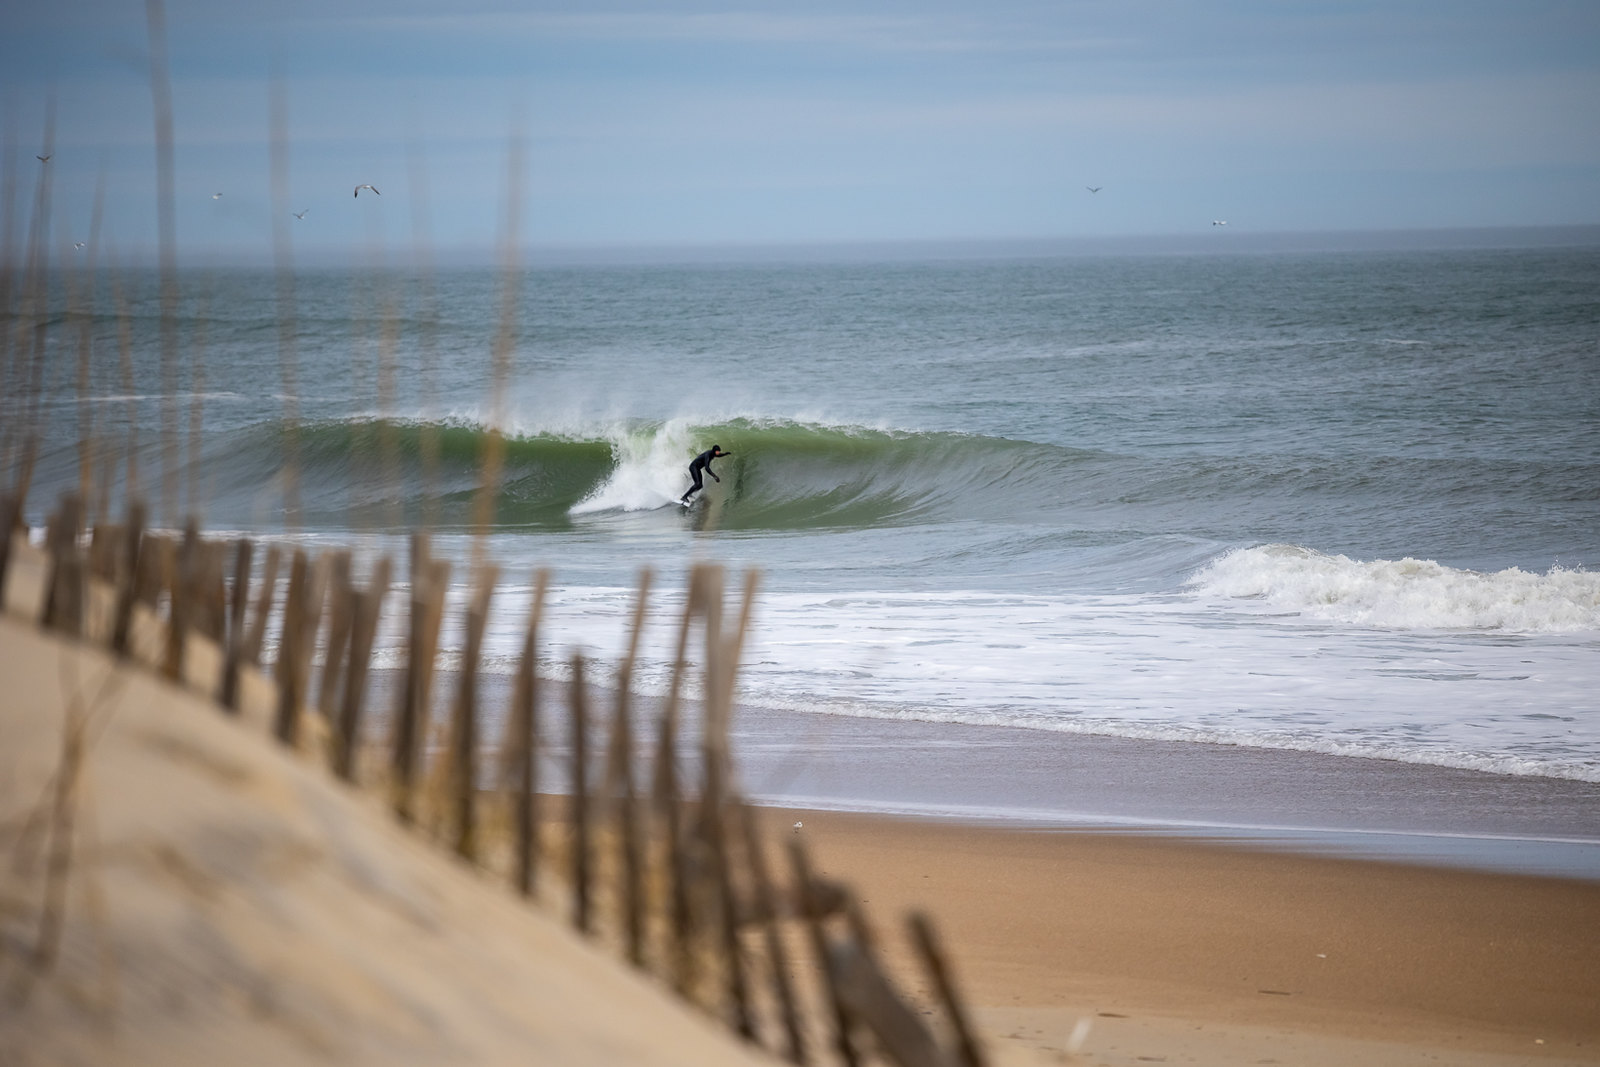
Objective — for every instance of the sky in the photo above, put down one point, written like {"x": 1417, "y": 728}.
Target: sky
{"x": 739, "y": 123}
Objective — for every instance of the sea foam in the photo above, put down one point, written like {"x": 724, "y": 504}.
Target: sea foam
{"x": 1404, "y": 594}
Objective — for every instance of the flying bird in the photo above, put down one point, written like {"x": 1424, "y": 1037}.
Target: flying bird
{"x": 77, "y": 244}
{"x": 374, "y": 188}
{"x": 300, "y": 214}
{"x": 1219, "y": 222}
{"x": 1094, "y": 188}
{"x": 45, "y": 159}
{"x": 216, "y": 196}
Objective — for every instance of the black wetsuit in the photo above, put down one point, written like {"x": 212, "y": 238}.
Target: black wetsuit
{"x": 702, "y": 462}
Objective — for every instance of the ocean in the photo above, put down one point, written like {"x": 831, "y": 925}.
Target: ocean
{"x": 1341, "y": 502}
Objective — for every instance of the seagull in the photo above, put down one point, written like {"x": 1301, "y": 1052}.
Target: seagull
{"x": 1219, "y": 222}
{"x": 797, "y": 826}
{"x": 77, "y": 244}
{"x": 374, "y": 188}
{"x": 216, "y": 196}
{"x": 1094, "y": 188}
{"x": 300, "y": 214}
{"x": 45, "y": 159}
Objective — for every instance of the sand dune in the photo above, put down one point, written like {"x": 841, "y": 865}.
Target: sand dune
{"x": 228, "y": 903}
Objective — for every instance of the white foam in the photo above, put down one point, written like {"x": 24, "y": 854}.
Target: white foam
{"x": 649, "y": 472}
{"x": 1405, "y": 594}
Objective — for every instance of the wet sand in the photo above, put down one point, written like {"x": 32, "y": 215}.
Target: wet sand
{"x": 1296, "y": 801}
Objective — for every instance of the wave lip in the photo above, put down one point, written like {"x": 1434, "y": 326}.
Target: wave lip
{"x": 1404, "y": 594}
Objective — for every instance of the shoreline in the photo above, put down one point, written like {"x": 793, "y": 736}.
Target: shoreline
{"x": 1009, "y": 777}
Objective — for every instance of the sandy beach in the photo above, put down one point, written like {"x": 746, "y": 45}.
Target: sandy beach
{"x": 1180, "y": 950}
{"x": 233, "y": 894}
{"x": 1203, "y": 904}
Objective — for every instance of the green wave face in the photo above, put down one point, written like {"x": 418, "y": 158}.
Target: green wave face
{"x": 779, "y": 475}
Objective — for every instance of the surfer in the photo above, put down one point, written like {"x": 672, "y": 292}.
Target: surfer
{"x": 702, "y": 462}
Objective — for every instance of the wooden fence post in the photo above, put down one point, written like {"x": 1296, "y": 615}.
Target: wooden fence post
{"x": 621, "y": 790}
{"x": 257, "y": 634}
{"x": 286, "y": 725}
{"x": 806, "y": 893}
{"x": 464, "y": 724}
{"x": 340, "y": 598}
{"x": 180, "y": 607}
{"x": 522, "y": 745}
{"x": 580, "y": 799}
{"x": 933, "y": 958}
{"x": 366, "y": 609}
{"x": 766, "y": 907}
{"x": 228, "y": 689}
{"x": 128, "y": 578}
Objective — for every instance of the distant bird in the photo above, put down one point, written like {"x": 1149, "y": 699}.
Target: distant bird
{"x": 77, "y": 244}
{"x": 1094, "y": 188}
{"x": 1219, "y": 222}
{"x": 301, "y": 214}
{"x": 797, "y": 826}
{"x": 374, "y": 188}
{"x": 216, "y": 196}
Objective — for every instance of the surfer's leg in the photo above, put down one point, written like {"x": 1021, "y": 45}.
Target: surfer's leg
{"x": 694, "y": 472}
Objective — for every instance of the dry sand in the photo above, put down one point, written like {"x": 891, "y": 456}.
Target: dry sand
{"x": 227, "y": 903}
{"x": 1182, "y": 951}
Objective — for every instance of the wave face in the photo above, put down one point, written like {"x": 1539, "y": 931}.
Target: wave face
{"x": 781, "y": 474}
{"x": 1405, "y": 594}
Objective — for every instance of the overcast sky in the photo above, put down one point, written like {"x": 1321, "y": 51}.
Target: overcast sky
{"x": 741, "y": 122}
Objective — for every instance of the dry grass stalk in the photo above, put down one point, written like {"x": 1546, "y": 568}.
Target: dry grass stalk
{"x": 131, "y": 488}
{"x": 166, "y": 226}
{"x": 283, "y": 271}
{"x": 63, "y": 808}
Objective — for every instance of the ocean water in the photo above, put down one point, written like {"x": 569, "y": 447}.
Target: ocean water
{"x": 1336, "y": 502}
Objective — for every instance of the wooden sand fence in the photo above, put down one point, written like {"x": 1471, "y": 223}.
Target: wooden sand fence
{"x": 646, "y": 844}
{"x": 649, "y": 848}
